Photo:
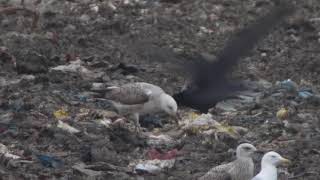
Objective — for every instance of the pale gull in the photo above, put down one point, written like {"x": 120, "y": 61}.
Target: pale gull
{"x": 269, "y": 164}
{"x": 240, "y": 169}
{"x": 141, "y": 98}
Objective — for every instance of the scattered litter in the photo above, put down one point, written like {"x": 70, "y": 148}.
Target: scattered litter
{"x": 98, "y": 86}
{"x": 82, "y": 168}
{"x": 160, "y": 140}
{"x": 50, "y": 161}
{"x": 52, "y": 79}
{"x": 233, "y": 105}
{"x": 153, "y": 166}
{"x": 288, "y": 84}
{"x": 283, "y": 114}
{"x": 193, "y": 115}
{"x": 5, "y": 152}
{"x": 147, "y": 168}
{"x": 76, "y": 67}
{"x": 151, "y": 121}
{"x": 61, "y": 114}
{"x": 82, "y": 98}
{"x": 105, "y": 122}
{"x": 226, "y": 106}
{"x": 205, "y": 124}
{"x": 155, "y": 154}
{"x": 67, "y": 127}
{"x": 94, "y": 8}
{"x": 305, "y": 94}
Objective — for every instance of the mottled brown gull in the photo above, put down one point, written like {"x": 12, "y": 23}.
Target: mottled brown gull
{"x": 240, "y": 169}
{"x": 141, "y": 98}
{"x": 269, "y": 164}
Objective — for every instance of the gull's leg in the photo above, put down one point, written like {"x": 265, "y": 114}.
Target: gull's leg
{"x": 136, "y": 122}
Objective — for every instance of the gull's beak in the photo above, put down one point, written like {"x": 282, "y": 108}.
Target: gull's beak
{"x": 285, "y": 161}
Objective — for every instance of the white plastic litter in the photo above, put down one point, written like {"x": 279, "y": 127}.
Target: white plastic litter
{"x": 67, "y": 127}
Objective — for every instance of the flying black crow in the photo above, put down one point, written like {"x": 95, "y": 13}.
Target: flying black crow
{"x": 209, "y": 83}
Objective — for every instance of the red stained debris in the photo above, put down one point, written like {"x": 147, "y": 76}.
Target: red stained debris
{"x": 155, "y": 154}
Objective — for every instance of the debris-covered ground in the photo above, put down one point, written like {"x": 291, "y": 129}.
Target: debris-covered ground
{"x": 53, "y": 53}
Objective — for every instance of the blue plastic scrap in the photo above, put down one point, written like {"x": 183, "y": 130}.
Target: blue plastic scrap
{"x": 289, "y": 85}
{"x": 305, "y": 94}
{"x": 50, "y": 161}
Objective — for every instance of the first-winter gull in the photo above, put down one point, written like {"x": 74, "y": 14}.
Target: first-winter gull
{"x": 240, "y": 169}
{"x": 269, "y": 164}
{"x": 141, "y": 98}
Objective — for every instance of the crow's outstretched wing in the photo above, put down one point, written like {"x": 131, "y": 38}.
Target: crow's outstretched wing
{"x": 209, "y": 83}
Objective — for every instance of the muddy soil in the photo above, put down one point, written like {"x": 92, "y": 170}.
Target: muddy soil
{"x": 120, "y": 41}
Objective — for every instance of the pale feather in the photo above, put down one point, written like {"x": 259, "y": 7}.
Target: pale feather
{"x": 133, "y": 93}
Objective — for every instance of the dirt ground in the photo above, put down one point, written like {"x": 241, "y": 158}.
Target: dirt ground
{"x": 120, "y": 41}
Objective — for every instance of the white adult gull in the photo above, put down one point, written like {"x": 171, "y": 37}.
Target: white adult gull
{"x": 269, "y": 164}
{"x": 141, "y": 98}
{"x": 240, "y": 169}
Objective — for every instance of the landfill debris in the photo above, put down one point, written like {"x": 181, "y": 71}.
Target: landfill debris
{"x": 49, "y": 161}
{"x": 5, "y": 152}
{"x": 160, "y": 140}
{"x": 67, "y": 127}
{"x": 226, "y": 106}
{"x": 154, "y": 166}
{"x": 150, "y": 121}
{"x": 283, "y": 114}
{"x": 305, "y": 93}
{"x": 82, "y": 46}
{"x": 302, "y": 92}
{"x": 105, "y": 122}
{"x": 194, "y": 115}
{"x": 61, "y": 114}
{"x": 155, "y": 154}
{"x": 15, "y": 81}
{"x": 82, "y": 168}
{"x": 76, "y": 67}
{"x": 288, "y": 84}
{"x": 204, "y": 123}
{"x": 234, "y": 105}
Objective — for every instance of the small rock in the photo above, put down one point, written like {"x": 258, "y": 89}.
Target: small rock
{"x": 84, "y": 18}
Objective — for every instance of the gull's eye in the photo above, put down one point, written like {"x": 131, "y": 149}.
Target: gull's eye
{"x": 247, "y": 148}
{"x": 273, "y": 156}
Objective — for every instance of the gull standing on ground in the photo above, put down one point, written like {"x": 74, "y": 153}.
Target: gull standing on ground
{"x": 141, "y": 98}
{"x": 269, "y": 164}
{"x": 240, "y": 169}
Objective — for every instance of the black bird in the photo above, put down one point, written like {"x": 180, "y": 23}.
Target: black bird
{"x": 209, "y": 83}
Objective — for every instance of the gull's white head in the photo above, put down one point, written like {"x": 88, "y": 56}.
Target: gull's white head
{"x": 274, "y": 159}
{"x": 245, "y": 150}
{"x": 168, "y": 104}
